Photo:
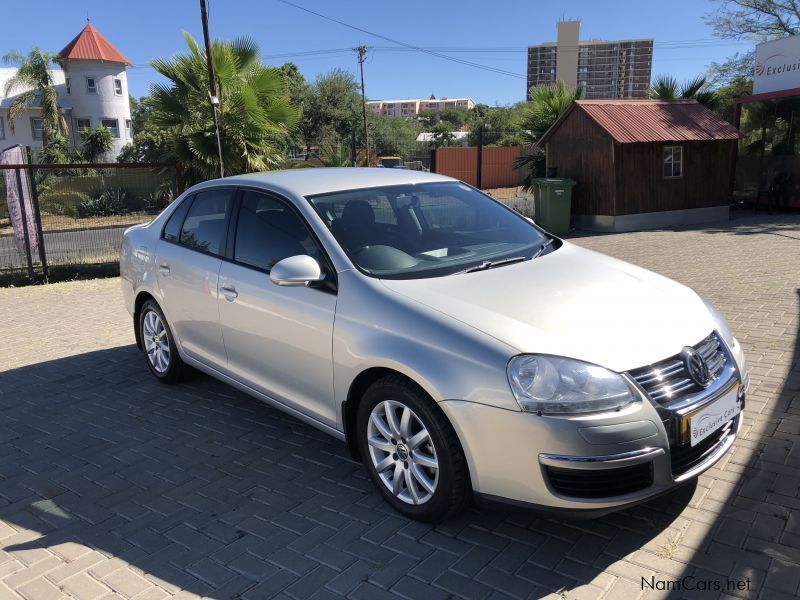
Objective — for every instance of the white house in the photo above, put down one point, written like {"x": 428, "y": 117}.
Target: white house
{"x": 92, "y": 90}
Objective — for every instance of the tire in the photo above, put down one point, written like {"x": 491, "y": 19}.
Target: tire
{"x": 158, "y": 345}
{"x": 426, "y": 438}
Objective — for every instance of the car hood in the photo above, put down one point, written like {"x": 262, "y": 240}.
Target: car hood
{"x": 572, "y": 302}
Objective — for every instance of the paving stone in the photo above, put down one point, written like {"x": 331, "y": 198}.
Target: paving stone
{"x": 113, "y": 484}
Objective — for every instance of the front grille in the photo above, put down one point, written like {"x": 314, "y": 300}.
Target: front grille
{"x": 600, "y": 483}
{"x": 685, "y": 458}
{"x": 668, "y": 380}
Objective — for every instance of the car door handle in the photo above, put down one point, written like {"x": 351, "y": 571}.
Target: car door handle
{"x": 229, "y": 292}
{"x": 164, "y": 268}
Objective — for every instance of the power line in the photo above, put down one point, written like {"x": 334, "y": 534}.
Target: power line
{"x": 411, "y": 46}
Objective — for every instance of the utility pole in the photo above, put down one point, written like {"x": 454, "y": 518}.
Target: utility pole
{"x": 212, "y": 83}
{"x": 362, "y": 51}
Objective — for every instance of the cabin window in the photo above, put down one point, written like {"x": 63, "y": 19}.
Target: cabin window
{"x": 672, "y": 163}
{"x": 91, "y": 85}
{"x": 66, "y": 84}
{"x": 129, "y": 129}
{"x": 118, "y": 86}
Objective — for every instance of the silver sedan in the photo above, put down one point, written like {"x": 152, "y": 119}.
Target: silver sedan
{"x": 458, "y": 349}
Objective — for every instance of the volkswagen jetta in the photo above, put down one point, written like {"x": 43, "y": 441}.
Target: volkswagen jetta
{"x": 457, "y": 348}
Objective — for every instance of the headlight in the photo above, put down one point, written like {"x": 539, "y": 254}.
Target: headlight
{"x": 558, "y": 386}
{"x": 721, "y": 324}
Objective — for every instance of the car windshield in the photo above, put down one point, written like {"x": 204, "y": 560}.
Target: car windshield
{"x": 426, "y": 230}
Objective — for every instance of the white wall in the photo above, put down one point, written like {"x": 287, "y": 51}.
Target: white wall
{"x": 104, "y": 104}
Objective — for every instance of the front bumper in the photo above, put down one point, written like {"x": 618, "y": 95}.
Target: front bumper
{"x": 588, "y": 465}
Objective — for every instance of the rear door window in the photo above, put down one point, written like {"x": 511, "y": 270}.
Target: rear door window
{"x": 204, "y": 226}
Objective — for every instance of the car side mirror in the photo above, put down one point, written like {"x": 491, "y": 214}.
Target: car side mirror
{"x": 296, "y": 271}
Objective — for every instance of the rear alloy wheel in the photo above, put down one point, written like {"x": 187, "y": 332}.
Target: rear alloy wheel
{"x": 411, "y": 451}
{"x": 159, "y": 345}
{"x": 156, "y": 344}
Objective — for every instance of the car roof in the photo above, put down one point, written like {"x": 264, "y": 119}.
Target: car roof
{"x": 312, "y": 181}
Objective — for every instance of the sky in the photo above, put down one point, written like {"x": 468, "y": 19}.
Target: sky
{"x": 145, "y": 29}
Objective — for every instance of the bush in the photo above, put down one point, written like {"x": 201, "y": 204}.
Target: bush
{"x": 107, "y": 203}
{"x": 157, "y": 200}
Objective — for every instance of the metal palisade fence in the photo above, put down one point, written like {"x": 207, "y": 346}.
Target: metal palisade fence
{"x": 69, "y": 216}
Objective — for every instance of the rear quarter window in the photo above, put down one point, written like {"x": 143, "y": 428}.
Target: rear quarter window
{"x": 172, "y": 229}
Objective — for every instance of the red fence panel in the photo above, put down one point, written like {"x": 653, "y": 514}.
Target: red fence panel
{"x": 459, "y": 163}
{"x": 497, "y": 165}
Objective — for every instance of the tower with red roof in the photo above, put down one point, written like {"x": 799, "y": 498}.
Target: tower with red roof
{"x": 96, "y": 87}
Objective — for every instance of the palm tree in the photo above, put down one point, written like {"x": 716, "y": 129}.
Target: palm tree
{"x": 335, "y": 155}
{"x": 33, "y": 84}
{"x": 256, "y": 116}
{"x": 666, "y": 87}
{"x": 546, "y": 104}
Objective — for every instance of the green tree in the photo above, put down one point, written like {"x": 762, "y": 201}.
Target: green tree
{"x": 735, "y": 68}
{"x": 95, "y": 142}
{"x": 151, "y": 142}
{"x": 455, "y": 116}
{"x": 33, "y": 84}
{"x": 666, "y": 87}
{"x": 442, "y": 134}
{"x": 330, "y": 109}
{"x": 256, "y": 117}
{"x": 391, "y": 136}
{"x": 501, "y": 125}
{"x": 296, "y": 85}
{"x": 546, "y": 104}
{"x": 755, "y": 19}
{"x": 335, "y": 155}
{"x": 727, "y": 94}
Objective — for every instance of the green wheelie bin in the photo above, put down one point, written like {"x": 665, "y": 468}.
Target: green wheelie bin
{"x": 552, "y": 198}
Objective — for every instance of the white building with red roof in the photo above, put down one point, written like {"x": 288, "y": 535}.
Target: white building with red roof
{"x": 92, "y": 90}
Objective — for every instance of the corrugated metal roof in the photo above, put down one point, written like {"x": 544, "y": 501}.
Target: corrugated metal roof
{"x": 636, "y": 121}
{"x": 89, "y": 44}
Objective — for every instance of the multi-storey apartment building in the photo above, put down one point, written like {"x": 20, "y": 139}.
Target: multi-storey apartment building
{"x": 604, "y": 69}
{"x": 404, "y": 108}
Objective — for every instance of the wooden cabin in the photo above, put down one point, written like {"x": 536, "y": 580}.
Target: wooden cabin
{"x": 643, "y": 164}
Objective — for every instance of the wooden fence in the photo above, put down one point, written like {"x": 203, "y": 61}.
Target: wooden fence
{"x": 496, "y": 165}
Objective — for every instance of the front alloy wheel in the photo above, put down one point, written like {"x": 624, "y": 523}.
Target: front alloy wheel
{"x": 402, "y": 452}
{"x": 411, "y": 451}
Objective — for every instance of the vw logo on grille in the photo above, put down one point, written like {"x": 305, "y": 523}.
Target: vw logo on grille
{"x": 696, "y": 366}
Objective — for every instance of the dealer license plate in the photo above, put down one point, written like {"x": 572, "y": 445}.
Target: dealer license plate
{"x": 707, "y": 420}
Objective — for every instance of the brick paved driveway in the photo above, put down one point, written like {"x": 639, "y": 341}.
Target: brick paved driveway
{"x": 112, "y": 485}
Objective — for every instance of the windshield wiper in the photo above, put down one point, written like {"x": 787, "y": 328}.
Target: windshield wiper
{"x": 542, "y": 248}
{"x": 491, "y": 264}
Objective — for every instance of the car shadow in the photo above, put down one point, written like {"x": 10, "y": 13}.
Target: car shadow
{"x": 752, "y": 547}
{"x": 202, "y": 488}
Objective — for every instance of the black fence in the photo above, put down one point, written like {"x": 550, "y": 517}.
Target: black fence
{"x": 79, "y": 210}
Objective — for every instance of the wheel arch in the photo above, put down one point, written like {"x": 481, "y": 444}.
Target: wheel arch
{"x": 141, "y": 298}
{"x": 355, "y": 393}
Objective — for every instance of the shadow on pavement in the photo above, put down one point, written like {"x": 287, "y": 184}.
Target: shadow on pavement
{"x": 755, "y": 537}
{"x": 205, "y": 489}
